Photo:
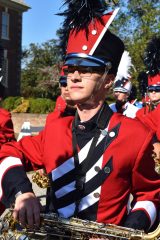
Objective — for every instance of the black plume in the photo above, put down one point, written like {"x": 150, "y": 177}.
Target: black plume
{"x": 143, "y": 82}
{"x": 63, "y": 36}
{"x": 152, "y": 56}
{"x": 78, "y": 15}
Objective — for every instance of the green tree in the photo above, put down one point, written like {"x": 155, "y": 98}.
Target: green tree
{"x": 137, "y": 22}
{"x": 40, "y": 72}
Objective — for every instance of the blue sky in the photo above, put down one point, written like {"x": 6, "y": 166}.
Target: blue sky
{"x": 40, "y": 22}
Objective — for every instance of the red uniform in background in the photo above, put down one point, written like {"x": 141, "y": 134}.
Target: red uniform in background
{"x": 6, "y": 134}
{"x": 149, "y": 114}
{"x": 150, "y": 118}
{"x": 6, "y": 127}
{"x": 58, "y": 111}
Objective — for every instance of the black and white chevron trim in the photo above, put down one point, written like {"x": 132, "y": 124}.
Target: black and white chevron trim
{"x": 63, "y": 177}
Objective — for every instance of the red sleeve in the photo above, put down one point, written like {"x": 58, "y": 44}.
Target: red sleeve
{"x": 151, "y": 120}
{"x": 15, "y": 159}
{"x": 29, "y": 150}
{"x": 6, "y": 127}
{"x": 143, "y": 174}
{"x": 145, "y": 185}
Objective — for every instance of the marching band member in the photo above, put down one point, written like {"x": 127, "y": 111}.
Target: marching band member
{"x": 6, "y": 124}
{"x": 152, "y": 61}
{"x": 150, "y": 113}
{"x": 64, "y": 105}
{"x": 123, "y": 89}
{"x": 90, "y": 158}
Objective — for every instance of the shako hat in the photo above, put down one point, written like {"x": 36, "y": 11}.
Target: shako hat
{"x": 90, "y": 43}
{"x": 152, "y": 62}
{"x": 124, "y": 85}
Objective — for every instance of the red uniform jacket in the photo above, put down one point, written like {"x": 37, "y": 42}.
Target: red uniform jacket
{"x": 150, "y": 118}
{"x": 6, "y": 134}
{"x": 6, "y": 127}
{"x": 58, "y": 110}
{"x": 125, "y": 167}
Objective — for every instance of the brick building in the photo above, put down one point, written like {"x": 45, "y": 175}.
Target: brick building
{"x": 11, "y": 13}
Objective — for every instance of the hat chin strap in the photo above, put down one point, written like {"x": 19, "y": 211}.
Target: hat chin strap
{"x": 103, "y": 78}
{"x": 99, "y": 86}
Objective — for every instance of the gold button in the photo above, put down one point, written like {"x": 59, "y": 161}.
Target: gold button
{"x": 97, "y": 169}
{"x": 96, "y": 195}
{"x": 107, "y": 170}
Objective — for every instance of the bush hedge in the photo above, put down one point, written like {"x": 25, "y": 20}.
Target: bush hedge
{"x": 30, "y": 105}
{"x": 41, "y": 105}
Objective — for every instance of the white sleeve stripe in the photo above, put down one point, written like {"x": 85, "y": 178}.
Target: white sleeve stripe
{"x": 6, "y": 164}
{"x": 149, "y": 208}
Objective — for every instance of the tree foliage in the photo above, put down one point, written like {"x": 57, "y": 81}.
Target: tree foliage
{"x": 40, "y": 72}
{"x": 137, "y": 22}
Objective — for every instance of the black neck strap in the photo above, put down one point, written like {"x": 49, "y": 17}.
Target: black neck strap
{"x": 103, "y": 118}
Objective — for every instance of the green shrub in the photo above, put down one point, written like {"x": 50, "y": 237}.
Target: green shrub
{"x": 41, "y": 105}
{"x": 36, "y": 105}
{"x": 18, "y": 102}
{"x": 11, "y": 102}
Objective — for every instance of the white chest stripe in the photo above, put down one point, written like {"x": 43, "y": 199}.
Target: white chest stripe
{"x": 66, "y": 189}
{"x": 86, "y": 202}
{"x": 92, "y": 172}
{"x": 68, "y": 165}
{"x": 149, "y": 207}
{"x": 84, "y": 151}
{"x": 67, "y": 211}
{"x": 90, "y": 199}
{"x": 5, "y": 165}
{"x": 65, "y": 167}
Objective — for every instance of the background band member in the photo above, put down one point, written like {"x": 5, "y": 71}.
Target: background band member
{"x": 64, "y": 105}
{"x": 123, "y": 90}
{"x": 6, "y": 124}
{"x": 92, "y": 174}
{"x": 152, "y": 62}
{"x": 150, "y": 113}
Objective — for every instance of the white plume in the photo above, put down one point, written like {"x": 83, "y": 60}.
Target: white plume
{"x": 124, "y": 67}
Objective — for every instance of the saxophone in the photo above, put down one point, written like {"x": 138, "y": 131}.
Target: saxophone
{"x": 54, "y": 227}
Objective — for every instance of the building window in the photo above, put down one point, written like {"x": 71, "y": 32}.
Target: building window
{"x": 4, "y": 70}
{"x": 5, "y": 25}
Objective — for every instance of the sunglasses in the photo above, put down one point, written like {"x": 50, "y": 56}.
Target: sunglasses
{"x": 154, "y": 89}
{"x": 63, "y": 84}
{"x": 83, "y": 71}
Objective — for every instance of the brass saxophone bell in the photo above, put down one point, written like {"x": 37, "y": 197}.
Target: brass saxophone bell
{"x": 42, "y": 180}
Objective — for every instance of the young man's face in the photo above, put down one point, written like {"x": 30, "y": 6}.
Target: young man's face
{"x": 85, "y": 83}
